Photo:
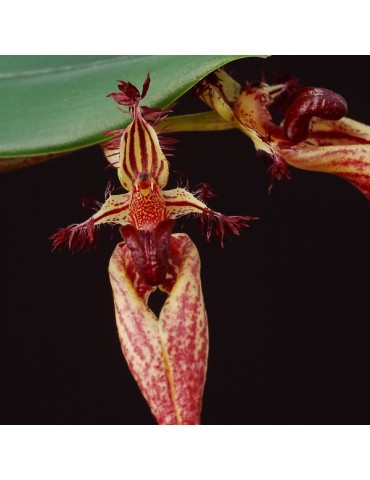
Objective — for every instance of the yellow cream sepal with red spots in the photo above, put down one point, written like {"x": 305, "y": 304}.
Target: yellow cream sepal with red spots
{"x": 167, "y": 355}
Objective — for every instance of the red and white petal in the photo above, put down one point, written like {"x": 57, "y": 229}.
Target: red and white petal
{"x": 83, "y": 235}
{"x": 181, "y": 202}
{"x": 352, "y": 162}
{"x": 114, "y": 210}
{"x": 167, "y": 357}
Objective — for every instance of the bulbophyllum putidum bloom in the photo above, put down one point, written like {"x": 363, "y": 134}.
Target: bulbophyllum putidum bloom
{"x": 166, "y": 355}
{"x": 313, "y": 135}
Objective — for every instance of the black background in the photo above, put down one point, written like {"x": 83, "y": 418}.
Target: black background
{"x": 288, "y": 301}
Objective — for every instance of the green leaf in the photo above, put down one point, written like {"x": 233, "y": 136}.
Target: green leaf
{"x": 53, "y": 104}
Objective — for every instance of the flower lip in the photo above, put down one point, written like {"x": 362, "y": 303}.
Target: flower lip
{"x": 311, "y": 102}
{"x": 150, "y": 250}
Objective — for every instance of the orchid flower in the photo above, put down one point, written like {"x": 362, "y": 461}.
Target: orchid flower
{"x": 313, "y": 135}
{"x": 166, "y": 355}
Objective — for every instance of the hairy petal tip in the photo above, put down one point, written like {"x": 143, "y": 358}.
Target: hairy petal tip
{"x": 76, "y": 237}
{"x": 223, "y": 225}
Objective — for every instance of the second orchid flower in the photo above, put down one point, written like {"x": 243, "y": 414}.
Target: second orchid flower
{"x": 314, "y": 133}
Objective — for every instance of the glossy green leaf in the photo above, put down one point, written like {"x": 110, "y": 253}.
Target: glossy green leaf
{"x": 53, "y": 104}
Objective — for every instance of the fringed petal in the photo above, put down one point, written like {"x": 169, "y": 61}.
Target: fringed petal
{"x": 84, "y": 235}
{"x": 76, "y": 237}
{"x": 167, "y": 357}
{"x": 181, "y": 202}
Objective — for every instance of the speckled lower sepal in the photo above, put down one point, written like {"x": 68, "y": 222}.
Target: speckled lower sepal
{"x": 167, "y": 355}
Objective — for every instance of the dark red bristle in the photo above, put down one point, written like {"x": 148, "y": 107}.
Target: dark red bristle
{"x": 204, "y": 192}
{"x": 222, "y": 225}
{"x": 76, "y": 237}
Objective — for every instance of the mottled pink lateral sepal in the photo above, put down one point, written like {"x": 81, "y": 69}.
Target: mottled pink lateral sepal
{"x": 184, "y": 332}
{"x": 138, "y": 330}
{"x": 167, "y": 356}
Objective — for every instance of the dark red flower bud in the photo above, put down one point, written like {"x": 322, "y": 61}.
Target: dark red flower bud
{"x": 311, "y": 102}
